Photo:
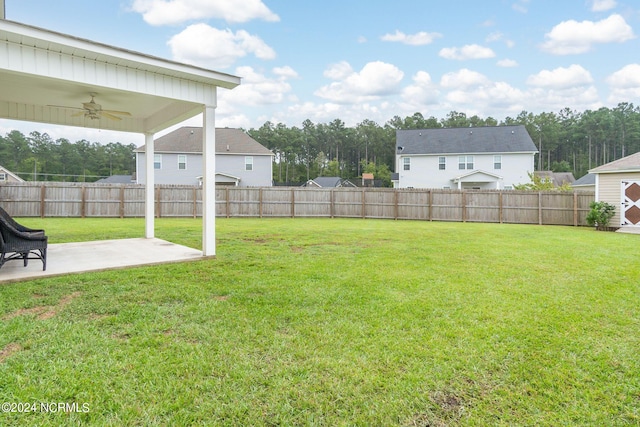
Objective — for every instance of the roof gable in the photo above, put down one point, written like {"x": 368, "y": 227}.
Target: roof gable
{"x": 629, "y": 163}
{"x": 188, "y": 139}
{"x": 489, "y": 139}
{"x": 478, "y": 175}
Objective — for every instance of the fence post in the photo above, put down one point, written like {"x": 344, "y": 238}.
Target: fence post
{"x": 260, "y": 202}
{"x": 364, "y": 207}
{"x": 396, "y": 210}
{"x": 464, "y": 206}
{"x": 575, "y": 208}
{"x": 293, "y": 203}
{"x": 226, "y": 193}
{"x": 42, "y": 197}
{"x": 158, "y": 203}
{"x": 121, "y": 201}
{"x": 500, "y": 206}
{"x": 539, "y": 207}
{"x": 332, "y": 203}
{"x": 195, "y": 202}
{"x": 83, "y": 201}
{"x": 430, "y": 204}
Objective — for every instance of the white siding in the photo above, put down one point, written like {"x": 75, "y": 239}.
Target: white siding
{"x": 425, "y": 172}
{"x": 609, "y": 190}
{"x": 230, "y": 164}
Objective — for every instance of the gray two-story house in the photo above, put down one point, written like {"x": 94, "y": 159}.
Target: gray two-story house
{"x": 240, "y": 160}
{"x": 495, "y": 158}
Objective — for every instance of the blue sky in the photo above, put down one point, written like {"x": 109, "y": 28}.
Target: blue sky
{"x": 373, "y": 59}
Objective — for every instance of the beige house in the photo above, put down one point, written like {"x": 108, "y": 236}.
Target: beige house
{"x": 8, "y": 176}
{"x": 618, "y": 183}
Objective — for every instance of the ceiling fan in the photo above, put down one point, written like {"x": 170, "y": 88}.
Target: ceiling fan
{"x": 94, "y": 111}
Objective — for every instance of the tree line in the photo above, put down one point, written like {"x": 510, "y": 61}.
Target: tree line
{"x": 568, "y": 141}
{"x": 38, "y": 157}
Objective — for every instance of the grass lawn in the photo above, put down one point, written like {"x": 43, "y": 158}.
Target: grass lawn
{"x": 333, "y": 322}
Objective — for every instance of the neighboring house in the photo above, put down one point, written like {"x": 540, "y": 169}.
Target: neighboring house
{"x": 368, "y": 180}
{"x": 117, "y": 179}
{"x": 557, "y": 178}
{"x": 8, "y": 176}
{"x": 464, "y": 158}
{"x": 328, "y": 182}
{"x": 618, "y": 183}
{"x": 586, "y": 183}
{"x": 240, "y": 160}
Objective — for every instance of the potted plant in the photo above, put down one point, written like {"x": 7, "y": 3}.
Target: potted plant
{"x": 600, "y": 215}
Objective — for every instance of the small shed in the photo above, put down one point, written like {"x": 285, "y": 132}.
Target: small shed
{"x": 557, "y": 178}
{"x": 618, "y": 183}
{"x": 7, "y": 176}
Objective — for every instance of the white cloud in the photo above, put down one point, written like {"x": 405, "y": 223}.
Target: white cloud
{"x": 624, "y": 84}
{"x": 507, "y": 63}
{"x": 627, "y": 77}
{"x": 202, "y": 45}
{"x": 376, "y": 79}
{"x": 423, "y": 91}
{"x": 572, "y": 37}
{"x": 562, "y": 87}
{"x": 172, "y": 12}
{"x": 471, "y": 51}
{"x": 494, "y": 96}
{"x": 259, "y": 89}
{"x": 419, "y": 39}
{"x": 338, "y": 71}
{"x": 561, "y": 78}
{"x": 497, "y": 36}
{"x": 520, "y": 6}
{"x": 463, "y": 78}
{"x": 285, "y": 72}
{"x": 602, "y": 5}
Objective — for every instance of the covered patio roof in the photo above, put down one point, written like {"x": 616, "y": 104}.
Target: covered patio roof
{"x": 46, "y": 77}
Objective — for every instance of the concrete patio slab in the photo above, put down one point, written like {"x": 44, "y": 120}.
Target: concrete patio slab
{"x": 628, "y": 230}
{"x": 67, "y": 258}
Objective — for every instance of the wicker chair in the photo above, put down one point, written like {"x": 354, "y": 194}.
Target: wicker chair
{"x": 20, "y": 242}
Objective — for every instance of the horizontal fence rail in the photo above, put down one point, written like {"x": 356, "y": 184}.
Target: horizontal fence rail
{"x": 124, "y": 201}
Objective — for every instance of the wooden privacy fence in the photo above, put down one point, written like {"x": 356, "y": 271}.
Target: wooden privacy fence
{"x": 104, "y": 200}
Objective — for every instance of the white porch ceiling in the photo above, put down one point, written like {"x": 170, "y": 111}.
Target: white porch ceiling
{"x": 43, "y": 71}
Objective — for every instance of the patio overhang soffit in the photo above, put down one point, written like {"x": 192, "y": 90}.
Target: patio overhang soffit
{"x": 42, "y": 71}
{"x": 477, "y": 176}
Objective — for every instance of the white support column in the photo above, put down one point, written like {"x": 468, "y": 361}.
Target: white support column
{"x": 209, "y": 181}
{"x": 149, "y": 189}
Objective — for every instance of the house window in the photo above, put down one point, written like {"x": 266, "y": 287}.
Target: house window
{"x": 465, "y": 162}
{"x": 3, "y": 176}
{"x": 407, "y": 163}
{"x": 248, "y": 163}
{"x": 497, "y": 162}
{"x": 157, "y": 161}
{"x": 442, "y": 163}
{"x": 182, "y": 161}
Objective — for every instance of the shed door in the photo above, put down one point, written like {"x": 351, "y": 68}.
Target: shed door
{"x": 630, "y": 209}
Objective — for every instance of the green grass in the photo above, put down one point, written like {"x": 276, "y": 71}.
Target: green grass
{"x": 334, "y": 322}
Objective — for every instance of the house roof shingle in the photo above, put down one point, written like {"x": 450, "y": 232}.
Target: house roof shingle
{"x": 588, "y": 179}
{"x": 489, "y": 139}
{"x": 188, "y": 139}
{"x": 629, "y": 163}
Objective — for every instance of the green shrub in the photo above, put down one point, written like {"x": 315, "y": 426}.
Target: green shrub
{"x": 600, "y": 214}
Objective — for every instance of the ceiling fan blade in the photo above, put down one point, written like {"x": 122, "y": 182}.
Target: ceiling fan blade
{"x": 120, "y": 113}
{"x": 109, "y": 115}
{"x": 66, "y": 107}
{"x": 79, "y": 113}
